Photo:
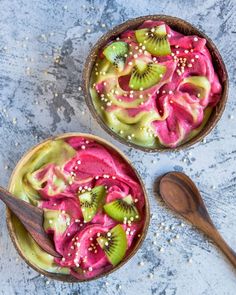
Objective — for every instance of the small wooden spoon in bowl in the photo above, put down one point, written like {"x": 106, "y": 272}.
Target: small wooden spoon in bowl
{"x": 32, "y": 218}
{"x": 182, "y": 196}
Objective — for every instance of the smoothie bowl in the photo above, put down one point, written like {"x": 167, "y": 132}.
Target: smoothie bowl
{"x": 95, "y": 207}
{"x": 156, "y": 83}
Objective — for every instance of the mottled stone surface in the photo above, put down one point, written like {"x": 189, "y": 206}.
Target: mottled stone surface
{"x": 38, "y": 99}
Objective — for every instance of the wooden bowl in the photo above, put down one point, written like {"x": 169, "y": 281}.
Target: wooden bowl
{"x": 182, "y": 27}
{"x": 11, "y": 218}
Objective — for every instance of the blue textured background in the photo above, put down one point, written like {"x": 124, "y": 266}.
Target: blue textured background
{"x": 38, "y": 99}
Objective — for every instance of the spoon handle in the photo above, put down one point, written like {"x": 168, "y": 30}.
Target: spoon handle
{"x": 32, "y": 219}
{"x": 23, "y": 210}
{"x": 221, "y": 243}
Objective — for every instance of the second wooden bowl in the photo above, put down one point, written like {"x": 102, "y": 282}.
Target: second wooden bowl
{"x": 182, "y": 27}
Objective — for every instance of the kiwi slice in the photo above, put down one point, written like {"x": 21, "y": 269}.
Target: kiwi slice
{"x": 155, "y": 40}
{"x": 122, "y": 209}
{"x": 114, "y": 244}
{"x": 91, "y": 201}
{"x": 145, "y": 75}
{"x": 115, "y": 53}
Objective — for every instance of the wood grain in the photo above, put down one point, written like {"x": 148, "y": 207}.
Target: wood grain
{"x": 182, "y": 196}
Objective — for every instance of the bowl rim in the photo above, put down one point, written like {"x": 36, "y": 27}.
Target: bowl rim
{"x": 132, "y": 23}
{"x": 67, "y": 277}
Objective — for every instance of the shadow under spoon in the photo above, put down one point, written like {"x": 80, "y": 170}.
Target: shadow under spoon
{"x": 182, "y": 196}
{"x": 32, "y": 218}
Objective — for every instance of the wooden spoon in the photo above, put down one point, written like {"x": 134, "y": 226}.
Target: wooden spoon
{"x": 32, "y": 218}
{"x": 182, "y": 196}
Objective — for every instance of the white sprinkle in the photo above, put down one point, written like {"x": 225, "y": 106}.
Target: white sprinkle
{"x": 150, "y": 275}
{"x": 83, "y": 147}
{"x": 231, "y": 116}
{"x": 141, "y": 263}
{"x": 182, "y": 224}
{"x": 195, "y": 39}
{"x": 177, "y": 237}
{"x": 161, "y": 249}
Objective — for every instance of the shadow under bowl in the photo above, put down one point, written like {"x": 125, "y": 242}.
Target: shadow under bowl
{"x": 178, "y": 25}
{"x": 11, "y": 218}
